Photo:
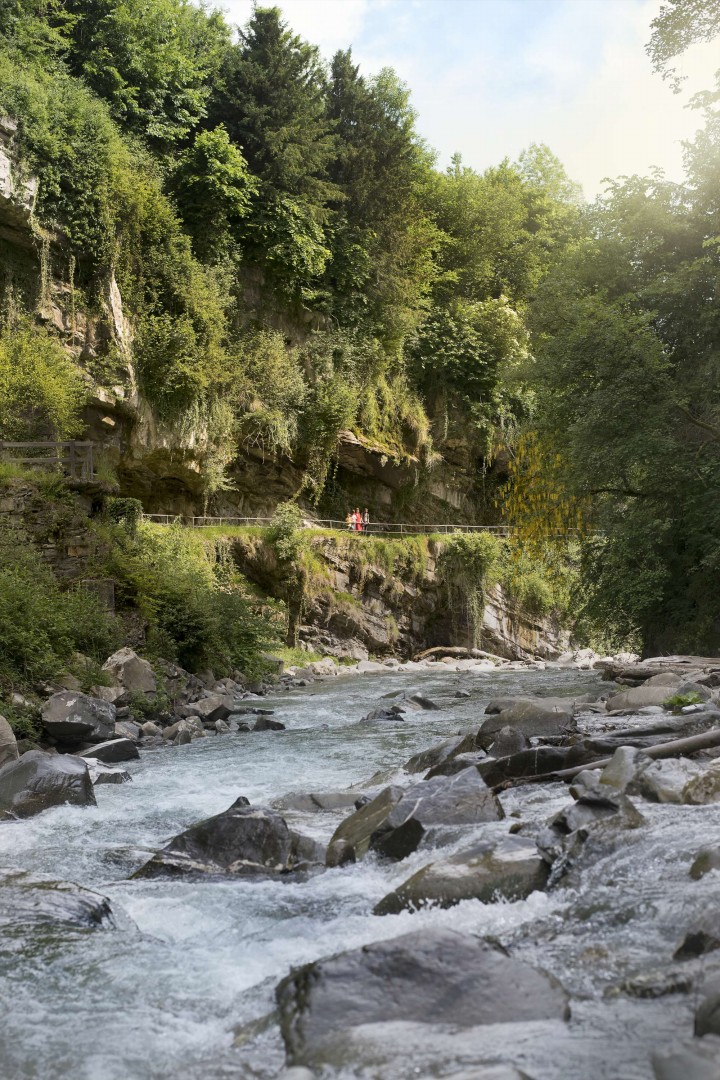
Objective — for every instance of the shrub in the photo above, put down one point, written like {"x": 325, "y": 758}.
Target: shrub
{"x": 194, "y": 603}
{"x": 41, "y": 391}
{"x": 41, "y": 627}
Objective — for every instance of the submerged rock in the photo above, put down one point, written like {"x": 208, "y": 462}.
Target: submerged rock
{"x": 70, "y": 717}
{"x": 430, "y": 977}
{"x": 707, "y": 1014}
{"x": 463, "y": 799}
{"x": 707, "y": 859}
{"x": 315, "y": 802}
{"x": 29, "y": 900}
{"x": 265, "y": 723}
{"x": 106, "y": 774}
{"x": 702, "y": 937}
{"x": 511, "y": 868}
{"x": 38, "y": 781}
{"x": 251, "y": 841}
{"x": 697, "y": 1059}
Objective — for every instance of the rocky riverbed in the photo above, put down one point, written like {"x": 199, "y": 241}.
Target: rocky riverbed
{"x": 309, "y": 902}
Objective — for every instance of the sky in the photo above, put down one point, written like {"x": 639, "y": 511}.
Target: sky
{"x": 489, "y": 77}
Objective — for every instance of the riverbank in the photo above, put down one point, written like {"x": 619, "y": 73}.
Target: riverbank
{"x": 184, "y": 976}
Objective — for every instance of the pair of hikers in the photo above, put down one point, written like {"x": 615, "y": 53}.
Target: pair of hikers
{"x": 357, "y": 522}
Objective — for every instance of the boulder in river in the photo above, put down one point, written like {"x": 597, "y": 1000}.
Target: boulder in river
{"x": 511, "y": 868}
{"x": 251, "y": 841}
{"x": 701, "y": 938}
{"x": 69, "y": 717}
{"x": 211, "y": 708}
{"x": 8, "y": 743}
{"x": 636, "y": 697}
{"x": 435, "y": 755}
{"x": 39, "y": 780}
{"x": 112, "y": 751}
{"x": 351, "y": 839}
{"x": 533, "y": 762}
{"x": 316, "y": 801}
{"x": 131, "y": 671}
{"x": 697, "y": 1059}
{"x": 463, "y": 799}
{"x": 528, "y": 717}
{"x": 678, "y": 780}
{"x": 266, "y": 723}
{"x": 707, "y": 859}
{"x": 431, "y": 977}
{"x": 106, "y": 774}
{"x": 707, "y": 1014}
{"x": 28, "y": 900}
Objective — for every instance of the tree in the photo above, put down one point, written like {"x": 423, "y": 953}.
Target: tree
{"x": 152, "y": 60}
{"x": 213, "y": 190}
{"x": 382, "y": 239}
{"x": 271, "y": 98}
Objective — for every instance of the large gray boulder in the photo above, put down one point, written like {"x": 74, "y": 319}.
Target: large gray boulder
{"x": 431, "y": 977}
{"x": 534, "y": 762}
{"x": 112, "y": 751}
{"x": 213, "y": 707}
{"x": 38, "y": 781}
{"x": 511, "y": 868}
{"x": 8, "y": 743}
{"x": 248, "y": 841}
{"x": 698, "y": 1059}
{"x": 529, "y": 718}
{"x": 30, "y": 900}
{"x": 637, "y": 697}
{"x": 106, "y": 774}
{"x": 351, "y": 839}
{"x": 131, "y": 672}
{"x": 463, "y": 799}
{"x": 69, "y": 717}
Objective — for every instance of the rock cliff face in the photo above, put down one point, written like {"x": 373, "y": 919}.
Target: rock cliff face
{"x": 376, "y": 597}
{"x": 165, "y": 465}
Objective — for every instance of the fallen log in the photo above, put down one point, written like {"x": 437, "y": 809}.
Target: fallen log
{"x": 673, "y": 748}
{"x": 460, "y": 652}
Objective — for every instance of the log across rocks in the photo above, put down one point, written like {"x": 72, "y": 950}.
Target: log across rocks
{"x": 429, "y": 977}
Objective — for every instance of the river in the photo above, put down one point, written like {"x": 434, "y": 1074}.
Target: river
{"x": 182, "y": 986}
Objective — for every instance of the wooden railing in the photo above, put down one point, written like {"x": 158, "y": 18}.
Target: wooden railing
{"x": 75, "y": 459}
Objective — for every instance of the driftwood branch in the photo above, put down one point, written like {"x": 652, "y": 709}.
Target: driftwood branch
{"x": 673, "y": 748}
{"x": 459, "y": 651}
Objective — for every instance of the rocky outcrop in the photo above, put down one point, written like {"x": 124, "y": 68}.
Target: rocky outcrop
{"x": 8, "y": 743}
{"x": 430, "y": 977}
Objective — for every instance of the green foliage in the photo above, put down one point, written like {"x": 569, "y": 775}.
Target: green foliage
{"x": 124, "y": 511}
{"x": 469, "y": 564}
{"x": 285, "y": 533}
{"x": 41, "y": 627}
{"x": 41, "y": 392}
{"x": 193, "y": 601}
{"x": 679, "y": 701}
{"x": 213, "y": 189}
{"x": 153, "y": 62}
{"x": 269, "y": 391}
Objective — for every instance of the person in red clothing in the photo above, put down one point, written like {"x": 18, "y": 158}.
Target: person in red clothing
{"x": 357, "y": 518}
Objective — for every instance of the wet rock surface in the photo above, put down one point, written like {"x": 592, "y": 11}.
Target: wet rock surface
{"x": 433, "y": 977}
{"x": 32, "y": 900}
{"x": 70, "y": 717}
{"x": 38, "y": 781}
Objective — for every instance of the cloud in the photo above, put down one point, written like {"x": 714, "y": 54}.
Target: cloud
{"x": 488, "y": 77}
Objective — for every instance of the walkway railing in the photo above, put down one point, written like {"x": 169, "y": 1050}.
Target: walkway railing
{"x": 74, "y": 458}
{"x": 376, "y": 528}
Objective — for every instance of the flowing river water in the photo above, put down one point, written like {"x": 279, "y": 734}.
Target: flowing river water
{"x": 182, "y": 986}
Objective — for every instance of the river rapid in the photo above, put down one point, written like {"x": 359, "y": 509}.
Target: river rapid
{"x": 182, "y": 986}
